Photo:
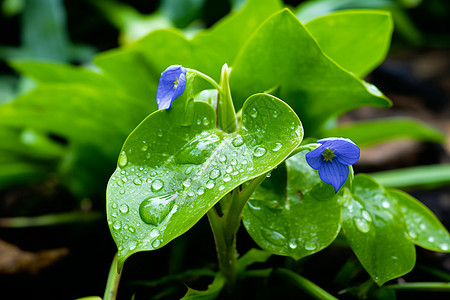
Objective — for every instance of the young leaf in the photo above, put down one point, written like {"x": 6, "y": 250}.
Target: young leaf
{"x": 170, "y": 175}
{"x": 375, "y": 229}
{"x": 301, "y": 222}
{"x": 424, "y": 228}
{"x": 358, "y": 40}
{"x": 282, "y": 52}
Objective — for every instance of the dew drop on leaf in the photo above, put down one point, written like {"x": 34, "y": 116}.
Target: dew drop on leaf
{"x": 123, "y": 208}
{"x": 366, "y": 216}
{"x": 254, "y": 112}
{"x": 214, "y": 174}
{"x": 156, "y": 243}
{"x": 238, "y": 141}
{"x": 273, "y": 237}
{"x": 187, "y": 182}
{"x": 293, "y": 244}
{"x": 114, "y": 205}
{"x": 361, "y": 224}
{"x": 210, "y": 184}
{"x": 133, "y": 245}
{"x": 157, "y": 185}
{"x": 259, "y": 151}
{"x": 144, "y": 148}
{"x": 123, "y": 159}
{"x": 200, "y": 191}
{"x": 277, "y": 147}
{"x": 117, "y": 225}
{"x": 137, "y": 181}
{"x": 154, "y": 233}
{"x": 223, "y": 158}
{"x": 154, "y": 210}
{"x": 311, "y": 246}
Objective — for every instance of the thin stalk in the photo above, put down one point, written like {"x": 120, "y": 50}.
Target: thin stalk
{"x": 51, "y": 219}
{"x": 309, "y": 287}
{"x": 207, "y": 78}
{"x": 422, "y": 286}
{"x": 113, "y": 281}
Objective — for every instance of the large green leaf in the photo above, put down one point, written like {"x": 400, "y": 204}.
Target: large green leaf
{"x": 375, "y": 228}
{"x": 299, "y": 222}
{"x": 424, "y": 228}
{"x": 358, "y": 40}
{"x": 282, "y": 53}
{"x": 170, "y": 175}
{"x": 368, "y": 133}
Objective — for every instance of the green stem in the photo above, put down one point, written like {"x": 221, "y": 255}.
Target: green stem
{"x": 207, "y": 78}
{"x": 113, "y": 281}
{"x": 51, "y": 219}
{"x": 422, "y": 286}
{"x": 309, "y": 287}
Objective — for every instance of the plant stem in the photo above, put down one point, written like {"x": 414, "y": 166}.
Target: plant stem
{"x": 422, "y": 286}
{"x": 113, "y": 281}
{"x": 309, "y": 287}
{"x": 207, "y": 78}
{"x": 51, "y": 219}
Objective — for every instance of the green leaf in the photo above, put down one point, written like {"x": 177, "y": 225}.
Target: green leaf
{"x": 424, "y": 228}
{"x": 358, "y": 40}
{"x": 431, "y": 176}
{"x": 211, "y": 293}
{"x": 282, "y": 52}
{"x": 368, "y": 133}
{"x": 252, "y": 256}
{"x": 301, "y": 222}
{"x": 375, "y": 228}
{"x": 170, "y": 175}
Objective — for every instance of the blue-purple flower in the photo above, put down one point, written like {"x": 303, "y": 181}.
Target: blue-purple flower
{"x": 332, "y": 159}
{"x": 171, "y": 85}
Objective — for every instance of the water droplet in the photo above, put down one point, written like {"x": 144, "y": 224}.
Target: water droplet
{"x": 124, "y": 208}
{"x": 188, "y": 170}
{"x": 238, "y": 141}
{"x": 221, "y": 187}
{"x": 244, "y": 162}
{"x": 187, "y": 182}
{"x": 114, "y": 205}
{"x": 210, "y": 184}
{"x": 423, "y": 226}
{"x": 156, "y": 243}
{"x": 117, "y": 225}
{"x": 233, "y": 162}
{"x": 154, "y": 210}
{"x": 311, "y": 246}
{"x": 205, "y": 121}
{"x": 223, "y": 158}
{"x": 191, "y": 193}
{"x": 253, "y": 112}
{"x": 366, "y": 216}
{"x": 131, "y": 229}
{"x": 273, "y": 237}
{"x": 362, "y": 225}
{"x": 160, "y": 133}
{"x": 412, "y": 234}
{"x": 133, "y": 245}
{"x": 157, "y": 185}
{"x": 154, "y": 233}
{"x": 144, "y": 148}
{"x": 199, "y": 121}
{"x": 268, "y": 175}
{"x": 277, "y": 147}
{"x": 149, "y": 181}
{"x": 259, "y": 151}
{"x": 123, "y": 159}
{"x": 226, "y": 177}
{"x": 404, "y": 209}
{"x": 229, "y": 169}
{"x": 214, "y": 174}
{"x": 200, "y": 191}
{"x": 137, "y": 181}
{"x": 444, "y": 247}
{"x": 431, "y": 239}
{"x": 124, "y": 179}
{"x": 385, "y": 204}
{"x": 293, "y": 244}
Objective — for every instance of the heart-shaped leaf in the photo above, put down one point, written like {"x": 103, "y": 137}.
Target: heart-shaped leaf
{"x": 376, "y": 231}
{"x": 295, "y": 220}
{"x": 424, "y": 228}
{"x": 170, "y": 175}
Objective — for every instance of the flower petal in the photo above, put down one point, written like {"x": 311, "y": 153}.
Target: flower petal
{"x": 167, "y": 92}
{"x": 346, "y": 151}
{"x": 333, "y": 173}
{"x": 314, "y": 158}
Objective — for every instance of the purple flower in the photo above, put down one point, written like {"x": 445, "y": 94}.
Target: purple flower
{"x": 171, "y": 85}
{"x": 332, "y": 159}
